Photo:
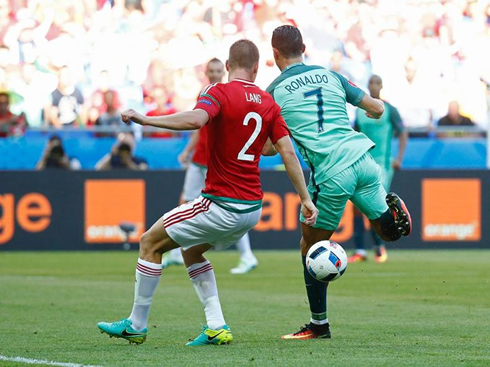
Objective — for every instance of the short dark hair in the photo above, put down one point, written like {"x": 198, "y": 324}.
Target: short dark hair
{"x": 243, "y": 55}
{"x": 376, "y": 76}
{"x": 124, "y": 147}
{"x": 214, "y": 59}
{"x": 55, "y": 137}
{"x": 288, "y": 41}
{"x": 57, "y": 150}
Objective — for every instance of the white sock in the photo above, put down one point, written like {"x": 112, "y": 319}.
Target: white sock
{"x": 147, "y": 277}
{"x": 204, "y": 281}
{"x": 319, "y": 322}
{"x": 243, "y": 246}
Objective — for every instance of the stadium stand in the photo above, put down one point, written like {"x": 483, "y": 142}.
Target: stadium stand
{"x": 428, "y": 54}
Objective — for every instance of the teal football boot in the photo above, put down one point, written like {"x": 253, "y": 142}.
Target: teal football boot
{"x": 213, "y": 337}
{"x": 123, "y": 329}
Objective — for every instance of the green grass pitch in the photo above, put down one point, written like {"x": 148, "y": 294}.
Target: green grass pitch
{"x": 421, "y": 308}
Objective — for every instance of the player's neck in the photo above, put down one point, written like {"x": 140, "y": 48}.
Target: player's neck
{"x": 241, "y": 74}
{"x": 284, "y": 63}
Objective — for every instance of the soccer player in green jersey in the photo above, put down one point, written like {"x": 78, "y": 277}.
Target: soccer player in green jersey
{"x": 313, "y": 103}
{"x": 381, "y": 132}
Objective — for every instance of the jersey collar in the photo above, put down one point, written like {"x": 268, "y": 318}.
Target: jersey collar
{"x": 242, "y": 81}
{"x": 292, "y": 66}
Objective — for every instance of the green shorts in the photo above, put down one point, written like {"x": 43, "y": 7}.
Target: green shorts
{"x": 386, "y": 177}
{"x": 361, "y": 183}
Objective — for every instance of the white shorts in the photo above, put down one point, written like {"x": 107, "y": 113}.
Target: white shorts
{"x": 202, "y": 221}
{"x": 195, "y": 180}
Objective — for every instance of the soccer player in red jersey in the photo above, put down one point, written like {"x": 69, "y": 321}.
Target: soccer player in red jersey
{"x": 241, "y": 119}
{"x": 195, "y": 177}
{"x": 194, "y": 158}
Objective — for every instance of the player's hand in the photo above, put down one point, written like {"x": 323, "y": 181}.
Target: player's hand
{"x": 397, "y": 164}
{"x": 310, "y": 212}
{"x": 380, "y": 102}
{"x": 183, "y": 158}
{"x": 131, "y": 115}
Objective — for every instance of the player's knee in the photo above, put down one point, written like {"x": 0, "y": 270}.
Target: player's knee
{"x": 147, "y": 242}
{"x": 304, "y": 246}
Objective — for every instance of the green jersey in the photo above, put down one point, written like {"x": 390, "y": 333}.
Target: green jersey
{"x": 313, "y": 103}
{"x": 381, "y": 132}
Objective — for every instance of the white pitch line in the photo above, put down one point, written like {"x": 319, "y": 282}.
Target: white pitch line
{"x": 41, "y": 362}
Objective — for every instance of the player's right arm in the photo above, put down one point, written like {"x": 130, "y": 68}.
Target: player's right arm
{"x": 189, "y": 120}
{"x": 355, "y": 96}
{"x": 374, "y": 107}
{"x": 207, "y": 107}
{"x": 285, "y": 148}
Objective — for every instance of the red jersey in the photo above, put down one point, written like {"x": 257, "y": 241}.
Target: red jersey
{"x": 200, "y": 156}
{"x": 241, "y": 119}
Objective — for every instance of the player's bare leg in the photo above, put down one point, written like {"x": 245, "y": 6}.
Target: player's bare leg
{"x": 311, "y": 235}
{"x": 395, "y": 222}
{"x": 318, "y": 327}
{"x": 201, "y": 274}
{"x": 153, "y": 244}
{"x": 173, "y": 257}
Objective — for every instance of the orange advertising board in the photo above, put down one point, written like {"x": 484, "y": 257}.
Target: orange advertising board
{"x": 282, "y": 214}
{"x": 108, "y": 203}
{"x": 32, "y": 212}
{"x": 451, "y": 209}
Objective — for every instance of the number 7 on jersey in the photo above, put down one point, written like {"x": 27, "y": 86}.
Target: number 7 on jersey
{"x": 318, "y": 93}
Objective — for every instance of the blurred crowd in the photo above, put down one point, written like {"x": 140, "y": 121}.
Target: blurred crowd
{"x": 78, "y": 63}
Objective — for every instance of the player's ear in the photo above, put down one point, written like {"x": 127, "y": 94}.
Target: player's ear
{"x": 303, "y": 48}
{"x": 256, "y": 68}
{"x": 276, "y": 53}
{"x": 227, "y": 66}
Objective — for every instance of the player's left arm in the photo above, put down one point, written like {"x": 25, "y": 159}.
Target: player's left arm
{"x": 189, "y": 120}
{"x": 269, "y": 149}
{"x": 401, "y": 131}
{"x": 293, "y": 168}
{"x": 279, "y": 137}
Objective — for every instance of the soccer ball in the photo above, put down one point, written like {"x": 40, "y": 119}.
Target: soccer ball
{"x": 326, "y": 261}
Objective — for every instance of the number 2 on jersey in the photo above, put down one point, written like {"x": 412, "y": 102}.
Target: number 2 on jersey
{"x": 255, "y": 116}
{"x": 318, "y": 93}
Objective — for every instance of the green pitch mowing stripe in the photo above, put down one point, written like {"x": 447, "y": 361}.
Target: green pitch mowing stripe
{"x": 421, "y": 308}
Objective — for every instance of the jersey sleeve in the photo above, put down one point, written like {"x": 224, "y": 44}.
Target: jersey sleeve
{"x": 353, "y": 93}
{"x": 395, "y": 119}
{"x": 210, "y": 100}
{"x": 279, "y": 129}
